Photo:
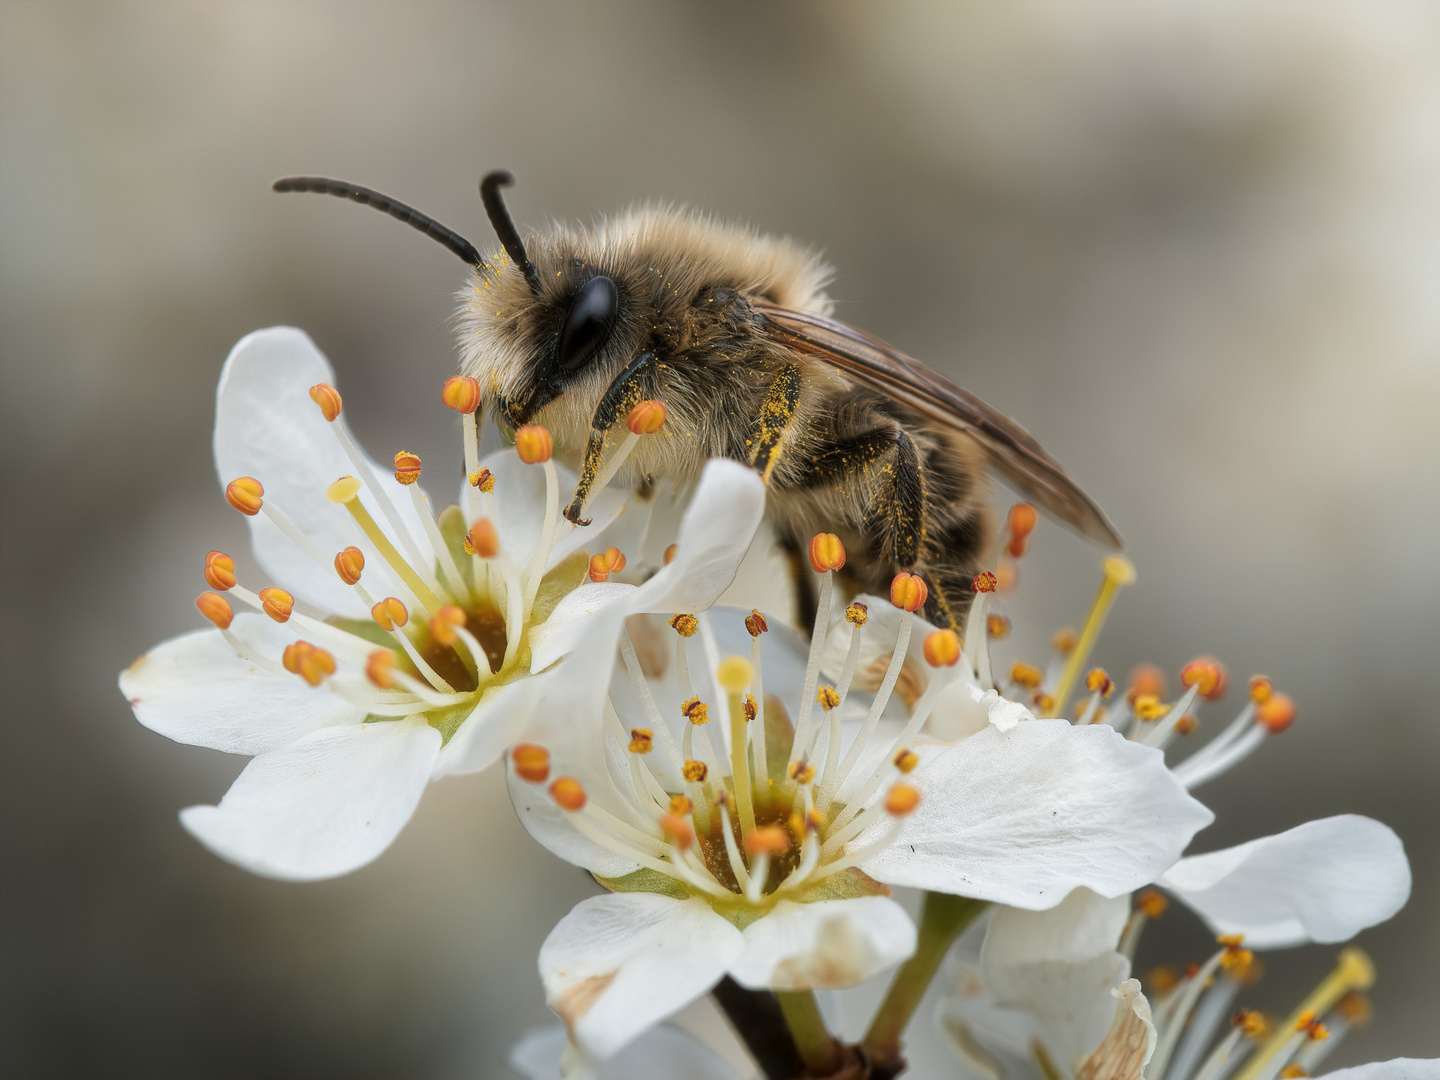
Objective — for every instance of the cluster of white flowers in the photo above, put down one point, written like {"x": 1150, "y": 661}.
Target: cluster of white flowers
{"x": 747, "y": 798}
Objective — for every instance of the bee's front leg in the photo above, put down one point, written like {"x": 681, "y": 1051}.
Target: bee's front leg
{"x": 624, "y": 391}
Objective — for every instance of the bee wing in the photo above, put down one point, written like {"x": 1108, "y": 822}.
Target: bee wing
{"x": 1012, "y": 449}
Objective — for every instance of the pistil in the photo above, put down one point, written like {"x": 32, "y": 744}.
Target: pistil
{"x": 1118, "y": 572}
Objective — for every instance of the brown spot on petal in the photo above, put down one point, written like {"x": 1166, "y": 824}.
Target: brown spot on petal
{"x": 577, "y": 1000}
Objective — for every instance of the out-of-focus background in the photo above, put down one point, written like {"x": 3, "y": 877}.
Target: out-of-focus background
{"x": 1194, "y": 247}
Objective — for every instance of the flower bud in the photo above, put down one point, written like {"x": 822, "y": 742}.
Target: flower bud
{"x": 461, "y": 393}
{"x": 826, "y": 552}
{"x": 219, "y": 571}
{"x": 215, "y": 608}
{"x": 328, "y": 398}
{"x": 908, "y": 591}
{"x": 534, "y": 444}
{"x": 349, "y": 564}
{"x": 646, "y": 418}
{"x": 407, "y": 467}
{"x": 531, "y": 762}
{"x": 245, "y": 494}
{"x": 277, "y": 603}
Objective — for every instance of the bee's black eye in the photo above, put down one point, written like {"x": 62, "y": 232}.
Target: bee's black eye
{"x": 592, "y": 317}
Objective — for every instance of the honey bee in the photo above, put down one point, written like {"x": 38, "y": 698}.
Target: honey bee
{"x": 733, "y": 333}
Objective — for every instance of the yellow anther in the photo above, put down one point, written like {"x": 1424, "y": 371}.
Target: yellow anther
{"x": 942, "y": 648}
{"x": 1064, "y": 640}
{"x": 245, "y": 494}
{"x": 669, "y": 555}
{"x": 1235, "y": 956}
{"x": 857, "y": 614}
{"x": 1260, "y": 689}
{"x": 1097, "y": 682}
{"x": 906, "y": 760}
{"x": 734, "y": 673}
{"x": 328, "y": 398}
{"x": 997, "y": 627}
{"x": 308, "y": 661}
{"x": 646, "y": 418}
{"x": 1027, "y": 675}
{"x": 344, "y": 490}
{"x": 984, "y": 581}
{"x": 755, "y": 623}
{"x": 1353, "y": 971}
{"x": 826, "y": 552}
{"x": 1294, "y": 1071}
{"x": 1252, "y": 1023}
{"x": 827, "y": 697}
{"x": 680, "y": 805}
{"x": 1149, "y": 708}
{"x": 349, "y": 564}
{"x": 1044, "y": 702}
{"x": 1146, "y": 680}
{"x": 1207, "y": 676}
{"x": 531, "y": 762}
{"x": 802, "y": 772}
{"x": 902, "y": 800}
{"x": 407, "y": 467}
{"x": 461, "y": 393}
{"x": 1162, "y": 980}
{"x": 908, "y": 591}
{"x": 482, "y": 539}
{"x": 768, "y": 840}
{"x": 534, "y": 444}
{"x": 483, "y": 479}
{"x": 696, "y": 711}
{"x": 684, "y": 625}
{"x": 277, "y": 603}
{"x": 1277, "y": 714}
{"x": 695, "y": 772}
{"x": 1314, "y": 1030}
{"x": 752, "y": 710}
{"x": 642, "y": 740}
{"x": 678, "y": 830}
{"x": 219, "y": 571}
{"x": 1152, "y": 903}
{"x": 602, "y": 565}
{"x": 215, "y": 608}
{"x": 1020, "y": 523}
{"x": 390, "y": 613}
{"x": 380, "y": 668}
{"x": 569, "y": 793}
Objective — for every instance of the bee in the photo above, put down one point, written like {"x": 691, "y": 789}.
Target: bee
{"x": 735, "y": 335}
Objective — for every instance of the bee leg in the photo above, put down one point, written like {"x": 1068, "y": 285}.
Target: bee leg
{"x": 619, "y": 397}
{"x": 802, "y": 583}
{"x": 773, "y": 425}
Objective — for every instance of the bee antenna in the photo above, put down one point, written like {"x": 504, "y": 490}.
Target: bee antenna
{"x": 321, "y": 185}
{"x": 504, "y": 226}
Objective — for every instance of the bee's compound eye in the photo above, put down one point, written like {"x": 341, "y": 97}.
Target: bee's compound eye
{"x": 592, "y": 317}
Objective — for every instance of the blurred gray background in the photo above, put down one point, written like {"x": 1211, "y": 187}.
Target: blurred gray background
{"x": 1194, "y": 247}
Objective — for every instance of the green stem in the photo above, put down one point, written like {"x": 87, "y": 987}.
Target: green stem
{"x": 942, "y": 918}
{"x": 816, "y": 1046}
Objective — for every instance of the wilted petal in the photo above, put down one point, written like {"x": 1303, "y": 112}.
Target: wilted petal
{"x": 323, "y": 805}
{"x": 1322, "y": 881}
{"x": 1130, "y": 1042}
{"x": 1025, "y": 816}
{"x": 829, "y": 944}
{"x": 1394, "y": 1069}
{"x": 195, "y": 690}
{"x": 665, "y": 1052}
{"x": 621, "y": 963}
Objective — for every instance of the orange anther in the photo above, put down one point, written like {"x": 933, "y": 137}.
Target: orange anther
{"x": 1294, "y": 1071}
{"x": 483, "y": 479}
{"x": 696, "y": 711}
{"x": 997, "y": 627}
{"x": 215, "y": 608}
{"x": 461, "y": 393}
{"x": 1313, "y": 1028}
{"x": 768, "y": 840}
{"x": 568, "y": 792}
{"x": 942, "y": 648}
{"x": 407, "y": 467}
{"x": 531, "y": 763}
{"x": 328, "y": 398}
{"x": 534, "y": 444}
{"x": 1045, "y": 703}
{"x": 1152, "y": 903}
{"x": 680, "y": 804}
{"x": 685, "y": 625}
{"x": 219, "y": 571}
{"x": 695, "y": 772}
{"x": 483, "y": 539}
{"x": 984, "y": 581}
{"x": 903, "y": 799}
{"x": 906, "y": 760}
{"x": 908, "y": 591}
{"x": 390, "y": 613}
{"x": 277, "y": 603}
{"x": 314, "y": 663}
{"x": 669, "y": 555}
{"x": 1020, "y": 524}
{"x": 646, "y": 418}
{"x": 1354, "y": 1007}
{"x": 349, "y": 564}
{"x": 1162, "y": 979}
{"x": 1260, "y": 689}
{"x": 755, "y": 623}
{"x": 642, "y": 740}
{"x": 444, "y": 622}
{"x": 826, "y": 552}
{"x": 380, "y": 668}
{"x": 1146, "y": 679}
{"x": 605, "y": 563}
{"x": 828, "y": 697}
{"x": 1007, "y": 576}
{"x": 290, "y": 658}
{"x": 1187, "y": 724}
{"x": 678, "y": 830}
{"x": 1207, "y": 676}
{"x": 857, "y": 613}
{"x": 1277, "y": 713}
{"x": 1064, "y": 641}
{"x": 1027, "y": 675}
{"x": 246, "y": 495}
{"x": 1097, "y": 682}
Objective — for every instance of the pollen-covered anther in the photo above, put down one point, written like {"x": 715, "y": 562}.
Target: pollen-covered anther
{"x": 908, "y": 591}
{"x": 607, "y": 562}
{"x": 902, "y": 800}
{"x": 734, "y": 674}
{"x": 1064, "y": 641}
{"x": 532, "y": 763}
{"x": 1020, "y": 523}
{"x": 390, "y": 613}
{"x": 1236, "y": 956}
{"x": 997, "y": 627}
{"x": 1149, "y": 708}
{"x": 670, "y": 553}
{"x": 857, "y": 614}
{"x": 802, "y": 772}
{"x": 1187, "y": 724}
{"x": 802, "y": 823}
{"x": 680, "y": 805}
{"x": 1252, "y": 1023}
{"x": 984, "y": 581}
{"x": 752, "y": 710}
{"x": 755, "y": 623}
{"x": 1044, "y": 702}
{"x": 695, "y": 772}
{"x": 482, "y": 539}
{"x": 1277, "y": 714}
{"x": 1162, "y": 979}
{"x": 277, "y": 603}
{"x": 906, "y": 760}
{"x": 215, "y": 608}
{"x": 407, "y": 467}
{"x": 696, "y": 711}
{"x": 768, "y": 840}
{"x": 534, "y": 444}
{"x": 483, "y": 479}
{"x": 245, "y": 494}
{"x": 1260, "y": 689}
{"x": 380, "y": 668}
{"x": 328, "y": 398}
{"x": 349, "y": 564}
{"x": 1027, "y": 675}
{"x": 444, "y": 622}
{"x": 678, "y": 830}
{"x": 826, "y": 552}
{"x": 568, "y": 793}
{"x": 461, "y": 393}
{"x": 1146, "y": 680}
{"x": 1206, "y": 675}
{"x": 1314, "y": 1030}
{"x": 219, "y": 571}
{"x": 685, "y": 625}
{"x": 646, "y": 418}
{"x": 1294, "y": 1071}
{"x": 827, "y": 697}
{"x": 642, "y": 740}
{"x": 1152, "y": 903}
{"x": 942, "y": 648}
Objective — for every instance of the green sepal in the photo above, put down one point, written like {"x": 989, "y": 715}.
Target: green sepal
{"x": 646, "y": 880}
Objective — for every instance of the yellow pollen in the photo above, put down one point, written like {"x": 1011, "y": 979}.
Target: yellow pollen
{"x": 802, "y": 772}
{"x": 997, "y": 627}
{"x": 827, "y": 697}
{"x": 1354, "y": 1007}
{"x": 642, "y": 740}
{"x": 1045, "y": 703}
{"x": 390, "y": 613}
{"x": 1260, "y": 689}
{"x": 685, "y": 625}
{"x": 984, "y": 581}
{"x": 768, "y": 840}
{"x": 1162, "y": 979}
{"x": 695, "y": 772}
{"x": 569, "y": 793}
{"x": 734, "y": 673}
{"x": 1150, "y": 708}
{"x": 461, "y": 393}
{"x": 678, "y": 829}
{"x": 349, "y": 564}
{"x": 534, "y": 444}
{"x": 906, "y": 760}
{"x": 484, "y": 480}
{"x": 857, "y": 614}
{"x": 942, "y": 648}
{"x": 1026, "y": 675}
{"x": 1097, "y": 682}
{"x": 680, "y": 805}
{"x": 1252, "y": 1023}
{"x": 407, "y": 467}
{"x": 482, "y": 539}
{"x": 1353, "y": 971}
{"x": 696, "y": 711}
{"x": 902, "y": 800}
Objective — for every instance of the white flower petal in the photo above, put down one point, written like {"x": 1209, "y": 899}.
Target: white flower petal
{"x": 1081, "y": 926}
{"x": 494, "y": 725}
{"x": 325, "y": 804}
{"x": 829, "y": 944}
{"x": 1394, "y": 1069}
{"x": 665, "y": 1052}
{"x": 621, "y": 963}
{"x": 1322, "y": 881}
{"x": 195, "y": 690}
{"x": 1000, "y": 711}
{"x": 569, "y": 623}
{"x": 520, "y": 508}
{"x": 1022, "y": 817}
{"x": 267, "y": 427}
{"x": 957, "y": 715}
